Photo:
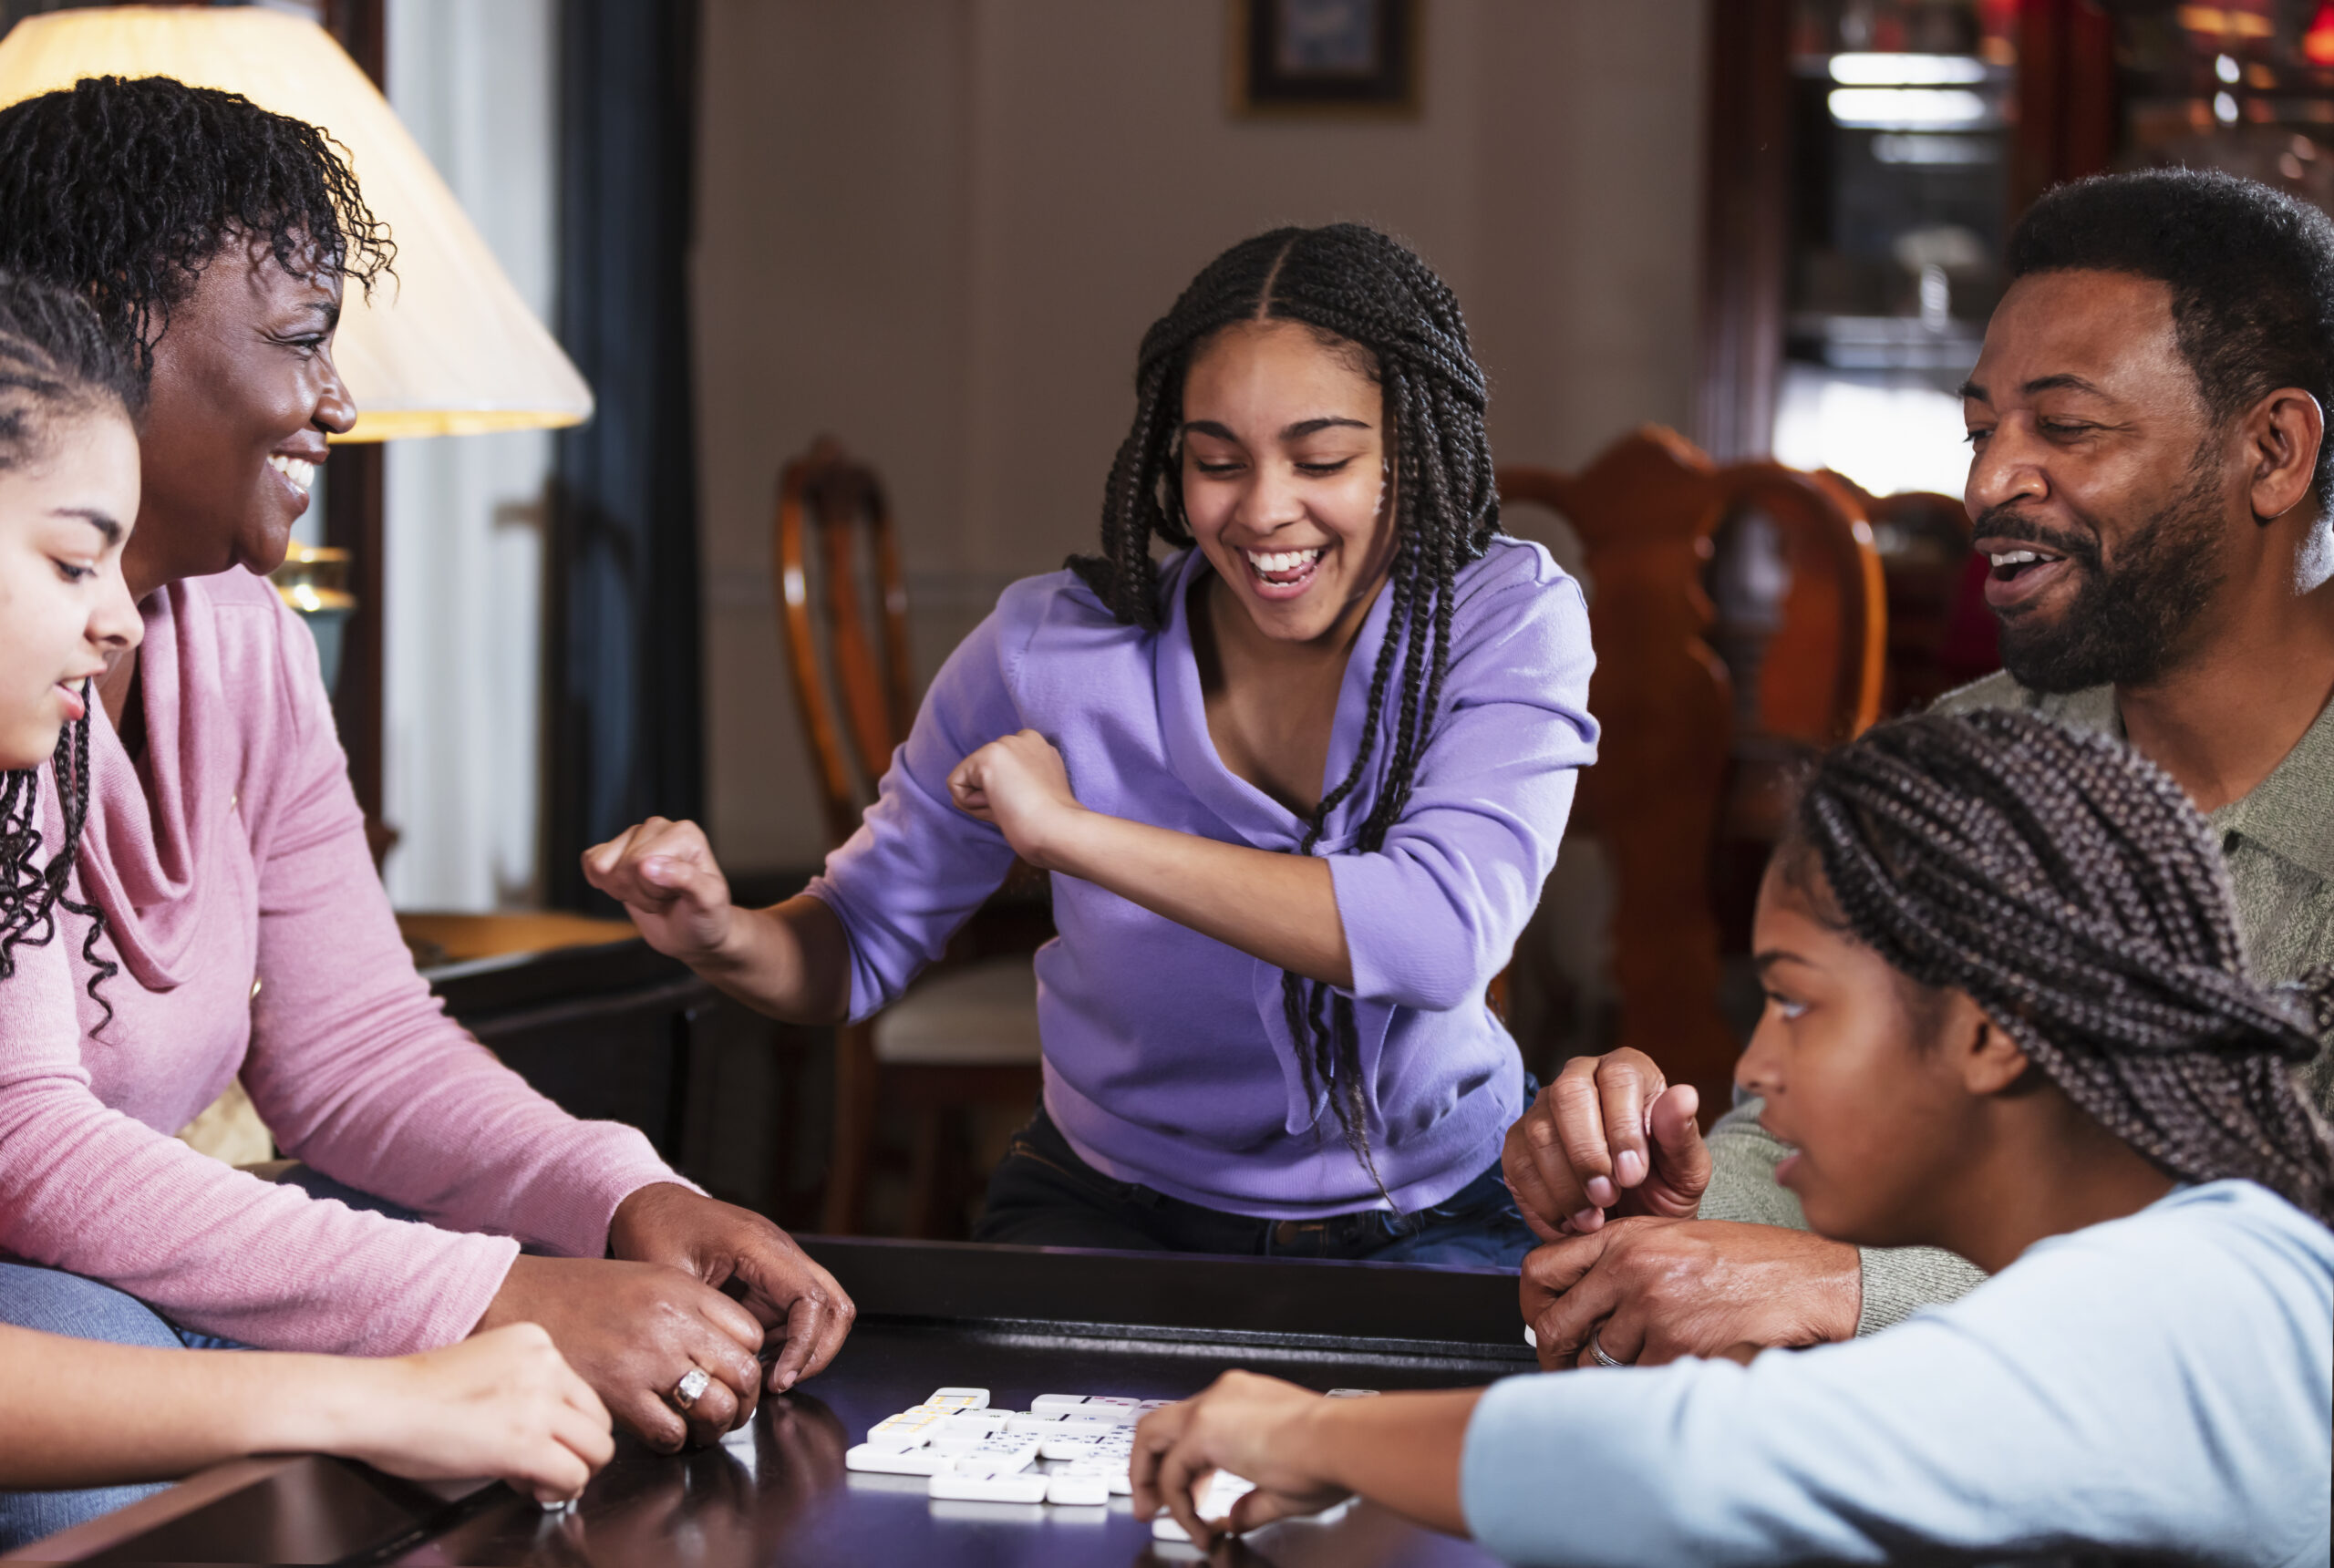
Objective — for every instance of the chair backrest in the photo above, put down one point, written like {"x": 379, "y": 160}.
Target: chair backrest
{"x": 846, "y": 608}
{"x": 1939, "y": 633}
{"x": 1646, "y": 512}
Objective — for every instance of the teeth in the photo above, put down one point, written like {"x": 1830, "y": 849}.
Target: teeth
{"x": 299, "y": 470}
{"x": 2018, "y": 557}
{"x": 1269, "y": 560}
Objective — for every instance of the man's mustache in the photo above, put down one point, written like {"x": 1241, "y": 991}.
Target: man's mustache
{"x": 2005, "y": 523}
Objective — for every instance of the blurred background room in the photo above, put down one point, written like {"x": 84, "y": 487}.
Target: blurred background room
{"x": 856, "y": 289}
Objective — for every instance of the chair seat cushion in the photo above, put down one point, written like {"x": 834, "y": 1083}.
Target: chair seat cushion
{"x": 982, "y": 1014}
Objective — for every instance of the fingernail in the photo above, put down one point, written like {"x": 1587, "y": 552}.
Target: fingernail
{"x": 1587, "y": 1219}
{"x": 1629, "y": 1167}
{"x": 1600, "y": 1192}
{"x": 655, "y": 868}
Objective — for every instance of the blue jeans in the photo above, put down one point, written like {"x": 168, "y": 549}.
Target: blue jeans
{"x": 55, "y": 1302}
{"x": 1042, "y": 1194}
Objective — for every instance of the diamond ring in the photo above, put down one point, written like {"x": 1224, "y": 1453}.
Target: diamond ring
{"x": 686, "y": 1392}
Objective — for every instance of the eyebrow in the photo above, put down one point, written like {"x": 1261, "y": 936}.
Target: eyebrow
{"x": 100, "y": 521}
{"x": 2064, "y": 382}
{"x": 1296, "y": 432}
{"x": 1765, "y": 961}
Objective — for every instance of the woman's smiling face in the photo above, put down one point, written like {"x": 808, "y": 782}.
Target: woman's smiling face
{"x": 1284, "y": 476}
{"x": 64, "y": 610}
{"x": 243, "y": 392}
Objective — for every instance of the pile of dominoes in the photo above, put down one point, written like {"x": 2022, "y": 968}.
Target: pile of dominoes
{"x": 973, "y": 1453}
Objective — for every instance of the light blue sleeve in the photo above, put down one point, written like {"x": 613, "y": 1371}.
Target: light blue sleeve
{"x": 2160, "y": 1383}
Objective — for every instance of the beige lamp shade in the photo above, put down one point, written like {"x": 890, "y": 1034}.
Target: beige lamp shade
{"x": 446, "y": 346}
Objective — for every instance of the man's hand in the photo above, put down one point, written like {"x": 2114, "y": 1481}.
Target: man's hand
{"x": 1252, "y": 1427}
{"x": 665, "y": 875}
{"x": 1611, "y": 1135}
{"x": 737, "y": 1251}
{"x": 1019, "y": 783}
{"x": 1652, "y": 1290}
{"x": 633, "y": 1331}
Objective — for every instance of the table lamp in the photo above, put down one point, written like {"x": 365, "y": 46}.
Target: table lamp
{"x": 445, "y": 347}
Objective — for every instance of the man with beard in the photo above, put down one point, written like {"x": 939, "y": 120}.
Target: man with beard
{"x": 2149, "y": 478}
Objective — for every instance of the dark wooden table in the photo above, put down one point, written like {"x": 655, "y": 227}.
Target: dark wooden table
{"x": 1019, "y": 1321}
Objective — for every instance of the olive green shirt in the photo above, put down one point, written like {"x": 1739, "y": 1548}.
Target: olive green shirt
{"x": 2279, "y": 844}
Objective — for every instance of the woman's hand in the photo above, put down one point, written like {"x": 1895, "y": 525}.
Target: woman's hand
{"x": 1019, "y": 782}
{"x": 1258, "y": 1428}
{"x": 665, "y": 875}
{"x": 633, "y": 1331}
{"x": 1611, "y": 1137}
{"x": 502, "y": 1404}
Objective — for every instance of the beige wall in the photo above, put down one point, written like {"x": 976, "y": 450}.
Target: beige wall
{"x": 937, "y": 229}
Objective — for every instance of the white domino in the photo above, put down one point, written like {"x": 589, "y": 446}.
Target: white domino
{"x": 1212, "y": 1502}
{"x": 1077, "y": 1491}
{"x": 904, "y": 1431}
{"x": 1003, "y": 1454}
{"x": 1351, "y": 1394}
{"x": 1060, "y": 1404}
{"x": 1022, "y": 1487}
{"x": 897, "y": 1461}
{"x": 1073, "y": 1446}
{"x": 1045, "y": 1423}
{"x": 978, "y": 1422}
{"x": 1531, "y": 1338}
{"x": 958, "y": 1399}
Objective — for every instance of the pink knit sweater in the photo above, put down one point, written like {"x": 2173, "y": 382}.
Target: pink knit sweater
{"x": 253, "y": 936}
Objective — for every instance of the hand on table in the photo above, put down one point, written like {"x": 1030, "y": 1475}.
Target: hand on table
{"x": 633, "y": 1331}
{"x": 1651, "y": 1290}
{"x": 737, "y": 1251}
{"x": 501, "y": 1404}
{"x": 1610, "y": 1137}
{"x": 1019, "y": 783}
{"x": 1253, "y": 1426}
{"x": 665, "y": 875}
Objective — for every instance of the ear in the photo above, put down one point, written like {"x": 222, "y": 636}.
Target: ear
{"x": 2281, "y": 437}
{"x": 1987, "y": 1056}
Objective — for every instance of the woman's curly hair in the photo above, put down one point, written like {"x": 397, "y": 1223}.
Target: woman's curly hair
{"x": 123, "y": 190}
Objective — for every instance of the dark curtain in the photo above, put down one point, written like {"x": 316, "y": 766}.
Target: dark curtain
{"x": 626, "y": 721}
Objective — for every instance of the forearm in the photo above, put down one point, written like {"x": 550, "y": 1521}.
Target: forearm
{"x": 791, "y": 960}
{"x": 1280, "y": 908}
{"x": 84, "y": 1413}
{"x": 1402, "y": 1450}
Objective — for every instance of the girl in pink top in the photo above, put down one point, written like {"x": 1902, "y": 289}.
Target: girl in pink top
{"x": 244, "y": 931}
{"x": 68, "y": 492}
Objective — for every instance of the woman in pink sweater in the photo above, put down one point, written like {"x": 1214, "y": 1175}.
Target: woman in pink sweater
{"x": 503, "y": 1403}
{"x": 243, "y": 931}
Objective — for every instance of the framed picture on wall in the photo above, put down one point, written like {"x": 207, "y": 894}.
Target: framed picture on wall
{"x": 1327, "y": 57}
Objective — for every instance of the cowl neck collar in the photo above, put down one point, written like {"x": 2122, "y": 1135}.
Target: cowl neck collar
{"x": 146, "y": 835}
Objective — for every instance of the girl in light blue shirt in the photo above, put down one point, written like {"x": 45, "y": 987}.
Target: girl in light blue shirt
{"x": 2007, "y": 1015}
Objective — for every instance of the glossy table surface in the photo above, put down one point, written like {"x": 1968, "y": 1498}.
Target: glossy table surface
{"x": 1019, "y": 1321}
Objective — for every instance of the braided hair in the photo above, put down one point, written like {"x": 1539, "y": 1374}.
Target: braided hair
{"x": 1369, "y": 296}
{"x": 2065, "y": 883}
{"x": 56, "y": 365}
{"x": 124, "y": 190}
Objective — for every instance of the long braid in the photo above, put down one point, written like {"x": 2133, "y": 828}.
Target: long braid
{"x": 56, "y": 365}
{"x": 1361, "y": 290}
{"x": 2068, "y": 886}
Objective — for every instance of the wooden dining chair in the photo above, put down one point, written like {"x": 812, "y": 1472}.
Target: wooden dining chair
{"x": 1646, "y": 512}
{"x": 1940, "y": 633}
{"x": 966, "y": 1032}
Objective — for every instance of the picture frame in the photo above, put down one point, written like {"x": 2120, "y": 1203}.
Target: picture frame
{"x": 1325, "y": 57}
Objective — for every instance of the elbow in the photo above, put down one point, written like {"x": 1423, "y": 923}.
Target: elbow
{"x": 1439, "y": 972}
